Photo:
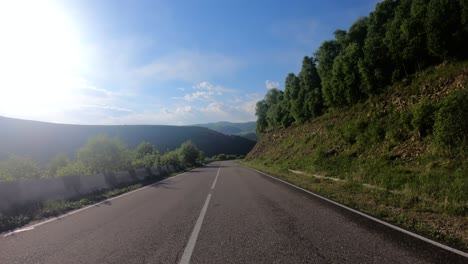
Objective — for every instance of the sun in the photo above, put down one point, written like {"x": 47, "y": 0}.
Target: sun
{"x": 40, "y": 57}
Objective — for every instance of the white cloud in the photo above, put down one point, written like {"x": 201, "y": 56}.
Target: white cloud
{"x": 215, "y": 88}
{"x": 271, "y": 84}
{"x": 207, "y": 92}
{"x": 107, "y": 107}
{"x": 214, "y": 108}
{"x": 188, "y": 66}
{"x": 237, "y": 109}
{"x": 199, "y": 95}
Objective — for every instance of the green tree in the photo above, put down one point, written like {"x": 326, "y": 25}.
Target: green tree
{"x": 104, "y": 154}
{"x": 346, "y": 82}
{"x": 261, "y": 113}
{"x": 145, "y": 155}
{"x": 325, "y": 56}
{"x": 273, "y": 100}
{"x": 445, "y": 36}
{"x": 309, "y": 102}
{"x": 189, "y": 153}
{"x": 376, "y": 68}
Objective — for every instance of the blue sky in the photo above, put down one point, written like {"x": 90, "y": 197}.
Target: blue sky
{"x": 156, "y": 62}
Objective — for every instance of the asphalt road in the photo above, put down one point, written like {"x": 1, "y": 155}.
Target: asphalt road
{"x": 221, "y": 213}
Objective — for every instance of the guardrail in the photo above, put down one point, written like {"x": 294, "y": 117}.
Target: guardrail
{"x": 17, "y": 193}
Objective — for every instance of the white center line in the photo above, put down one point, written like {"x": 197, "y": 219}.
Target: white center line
{"x": 193, "y": 238}
{"x": 196, "y": 230}
{"x": 216, "y": 179}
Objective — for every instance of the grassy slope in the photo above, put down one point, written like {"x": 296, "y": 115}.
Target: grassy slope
{"x": 385, "y": 166}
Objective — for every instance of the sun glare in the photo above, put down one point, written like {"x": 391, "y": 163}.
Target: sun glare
{"x": 40, "y": 58}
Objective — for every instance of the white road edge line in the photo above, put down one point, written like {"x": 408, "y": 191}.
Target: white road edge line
{"x": 437, "y": 244}
{"x": 193, "y": 237}
{"x": 31, "y": 227}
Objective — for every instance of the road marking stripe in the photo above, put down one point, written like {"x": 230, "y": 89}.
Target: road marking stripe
{"x": 437, "y": 244}
{"x": 216, "y": 179}
{"x": 31, "y": 227}
{"x": 19, "y": 231}
{"x": 196, "y": 230}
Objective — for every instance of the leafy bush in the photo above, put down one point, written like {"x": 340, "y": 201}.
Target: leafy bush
{"x": 19, "y": 168}
{"x": 423, "y": 117}
{"x": 104, "y": 154}
{"x": 75, "y": 168}
{"x": 171, "y": 158}
{"x": 145, "y": 155}
{"x": 451, "y": 122}
{"x": 189, "y": 154}
{"x": 399, "y": 126}
{"x": 221, "y": 156}
{"x": 59, "y": 161}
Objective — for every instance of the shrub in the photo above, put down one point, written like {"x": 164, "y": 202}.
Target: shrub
{"x": 189, "y": 153}
{"x": 59, "y": 161}
{"x": 451, "y": 122}
{"x": 104, "y": 154}
{"x": 75, "y": 168}
{"x": 171, "y": 158}
{"x": 221, "y": 156}
{"x": 19, "y": 168}
{"x": 145, "y": 155}
{"x": 423, "y": 117}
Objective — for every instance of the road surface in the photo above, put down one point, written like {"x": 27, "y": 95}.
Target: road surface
{"x": 220, "y": 213}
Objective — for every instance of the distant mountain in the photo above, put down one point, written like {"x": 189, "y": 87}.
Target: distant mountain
{"x": 246, "y": 130}
{"x": 42, "y": 141}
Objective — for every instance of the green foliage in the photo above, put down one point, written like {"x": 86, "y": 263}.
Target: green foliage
{"x": 190, "y": 155}
{"x": 261, "y": 113}
{"x": 19, "y": 168}
{"x": 104, "y": 154}
{"x": 74, "y": 168}
{"x": 396, "y": 40}
{"x": 451, "y": 122}
{"x": 325, "y": 56}
{"x": 221, "y": 156}
{"x": 274, "y": 114}
{"x": 59, "y": 161}
{"x": 309, "y": 102}
{"x": 345, "y": 89}
{"x": 171, "y": 158}
{"x": 145, "y": 155}
{"x": 445, "y": 36}
{"x": 423, "y": 117}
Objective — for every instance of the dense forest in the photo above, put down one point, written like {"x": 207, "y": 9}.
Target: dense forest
{"x": 397, "y": 39}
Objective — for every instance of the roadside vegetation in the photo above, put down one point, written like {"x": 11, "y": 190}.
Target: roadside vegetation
{"x": 101, "y": 154}
{"x": 378, "y": 119}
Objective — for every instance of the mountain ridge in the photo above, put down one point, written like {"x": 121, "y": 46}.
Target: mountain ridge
{"x": 43, "y": 140}
{"x": 243, "y": 129}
